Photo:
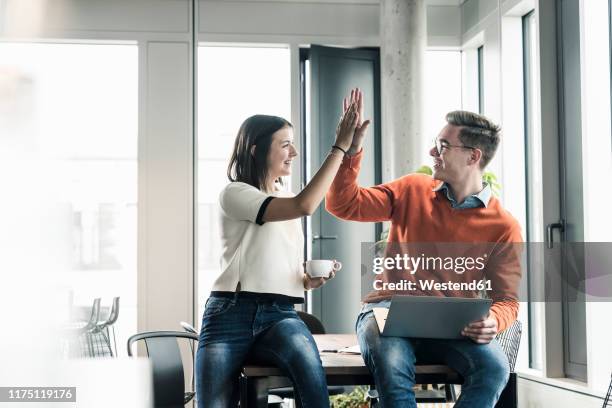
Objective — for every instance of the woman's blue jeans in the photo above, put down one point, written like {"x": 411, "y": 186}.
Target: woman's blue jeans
{"x": 391, "y": 360}
{"x": 237, "y": 329}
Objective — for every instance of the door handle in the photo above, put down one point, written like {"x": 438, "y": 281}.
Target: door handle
{"x": 549, "y": 232}
{"x": 315, "y": 237}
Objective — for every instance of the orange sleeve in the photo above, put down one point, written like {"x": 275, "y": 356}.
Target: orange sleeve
{"x": 505, "y": 274}
{"x": 505, "y": 313}
{"x": 346, "y": 200}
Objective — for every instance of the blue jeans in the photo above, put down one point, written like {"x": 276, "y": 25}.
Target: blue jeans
{"x": 238, "y": 329}
{"x": 391, "y": 360}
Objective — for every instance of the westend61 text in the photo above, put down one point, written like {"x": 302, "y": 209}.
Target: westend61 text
{"x": 476, "y": 285}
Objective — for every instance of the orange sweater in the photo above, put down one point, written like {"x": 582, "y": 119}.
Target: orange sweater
{"x": 420, "y": 215}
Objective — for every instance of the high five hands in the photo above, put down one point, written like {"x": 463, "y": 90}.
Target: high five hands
{"x": 346, "y": 127}
{"x": 356, "y": 101}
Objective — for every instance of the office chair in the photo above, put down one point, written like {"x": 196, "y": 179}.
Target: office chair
{"x": 79, "y": 334}
{"x": 188, "y": 328}
{"x": 607, "y": 401}
{"x": 103, "y": 327}
{"x": 168, "y": 374}
{"x": 314, "y": 325}
{"x": 510, "y": 340}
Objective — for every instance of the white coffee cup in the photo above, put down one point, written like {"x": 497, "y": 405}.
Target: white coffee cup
{"x": 321, "y": 268}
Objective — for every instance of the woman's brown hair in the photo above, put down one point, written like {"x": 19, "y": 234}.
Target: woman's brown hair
{"x": 252, "y": 168}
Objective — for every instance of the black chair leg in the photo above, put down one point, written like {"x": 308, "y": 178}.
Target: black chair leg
{"x": 509, "y": 396}
{"x": 253, "y": 392}
{"x": 449, "y": 390}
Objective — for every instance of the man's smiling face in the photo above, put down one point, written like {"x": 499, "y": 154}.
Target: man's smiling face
{"x": 451, "y": 158}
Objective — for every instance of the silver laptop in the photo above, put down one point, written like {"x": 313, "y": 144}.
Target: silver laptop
{"x": 430, "y": 317}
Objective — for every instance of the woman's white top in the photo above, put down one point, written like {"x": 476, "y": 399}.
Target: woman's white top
{"x": 263, "y": 257}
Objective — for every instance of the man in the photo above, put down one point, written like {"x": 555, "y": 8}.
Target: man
{"x": 452, "y": 206}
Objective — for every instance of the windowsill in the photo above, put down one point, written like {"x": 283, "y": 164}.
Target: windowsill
{"x": 563, "y": 383}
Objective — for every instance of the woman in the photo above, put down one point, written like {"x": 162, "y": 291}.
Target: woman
{"x": 251, "y": 309}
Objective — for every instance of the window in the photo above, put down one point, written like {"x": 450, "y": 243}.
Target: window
{"x": 597, "y": 160}
{"x": 75, "y": 139}
{"x": 519, "y": 164}
{"x": 233, "y": 84}
{"x": 533, "y": 180}
{"x": 442, "y": 91}
{"x": 480, "y": 53}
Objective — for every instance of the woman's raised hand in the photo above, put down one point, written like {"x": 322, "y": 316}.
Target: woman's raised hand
{"x": 346, "y": 127}
{"x": 361, "y": 127}
{"x": 308, "y": 200}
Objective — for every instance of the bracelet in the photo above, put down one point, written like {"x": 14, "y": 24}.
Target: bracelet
{"x": 338, "y": 153}
{"x": 339, "y": 148}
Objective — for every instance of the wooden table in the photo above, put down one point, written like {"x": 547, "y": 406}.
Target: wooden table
{"x": 340, "y": 369}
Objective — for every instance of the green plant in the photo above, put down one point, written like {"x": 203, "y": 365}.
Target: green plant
{"x": 424, "y": 169}
{"x": 491, "y": 179}
{"x": 355, "y": 399}
{"x": 379, "y": 246}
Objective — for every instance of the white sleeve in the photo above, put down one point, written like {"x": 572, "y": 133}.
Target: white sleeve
{"x": 242, "y": 201}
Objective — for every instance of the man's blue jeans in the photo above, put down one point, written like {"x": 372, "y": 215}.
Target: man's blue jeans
{"x": 238, "y": 328}
{"x": 391, "y": 360}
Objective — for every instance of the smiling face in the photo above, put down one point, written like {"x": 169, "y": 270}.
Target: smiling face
{"x": 281, "y": 154}
{"x": 452, "y": 164}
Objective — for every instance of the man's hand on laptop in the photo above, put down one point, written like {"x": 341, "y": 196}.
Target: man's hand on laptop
{"x": 481, "y": 331}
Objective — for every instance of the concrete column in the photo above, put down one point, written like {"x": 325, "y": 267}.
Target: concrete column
{"x": 403, "y": 39}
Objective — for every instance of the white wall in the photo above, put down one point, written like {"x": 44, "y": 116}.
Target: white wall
{"x": 344, "y": 22}
{"x": 338, "y": 23}
{"x": 533, "y": 394}
{"x": 443, "y": 26}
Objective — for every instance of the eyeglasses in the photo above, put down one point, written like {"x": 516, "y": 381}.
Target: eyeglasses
{"x": 440, "y": 146}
